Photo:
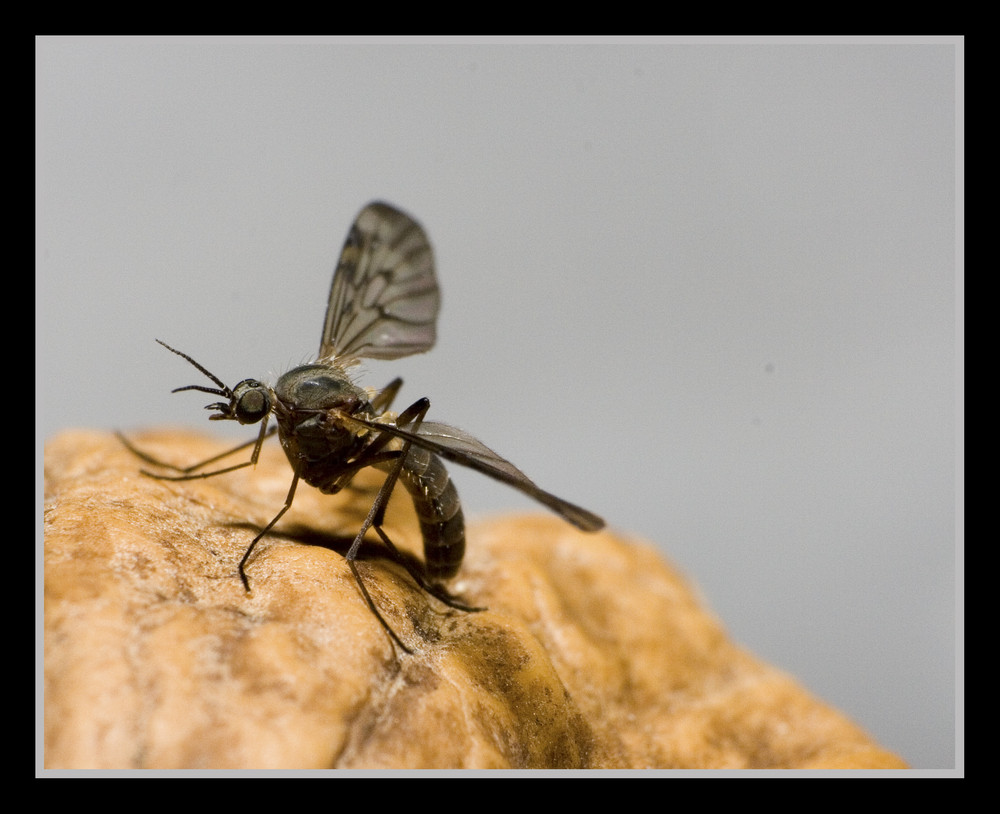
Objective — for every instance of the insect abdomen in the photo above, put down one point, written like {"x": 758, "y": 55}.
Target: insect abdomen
{"x": 438, "y": 510}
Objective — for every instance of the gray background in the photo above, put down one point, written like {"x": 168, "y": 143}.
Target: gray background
{"x": 707, "y": 289}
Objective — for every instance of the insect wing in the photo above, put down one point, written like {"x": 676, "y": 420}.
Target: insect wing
{"x": 458, "y": 446}
{"x": 384, "y": 298}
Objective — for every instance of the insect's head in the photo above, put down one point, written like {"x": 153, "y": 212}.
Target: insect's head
{"x": 249, "y": 402}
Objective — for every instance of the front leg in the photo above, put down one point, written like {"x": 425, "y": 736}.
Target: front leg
{"x": 188, "y": 472}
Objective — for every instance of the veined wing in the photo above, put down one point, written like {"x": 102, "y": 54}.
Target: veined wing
{"x": 384, "y": 299}
{"x": 458, "y": 446}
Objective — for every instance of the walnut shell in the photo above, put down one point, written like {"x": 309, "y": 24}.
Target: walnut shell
{"x": 593, "y": 652}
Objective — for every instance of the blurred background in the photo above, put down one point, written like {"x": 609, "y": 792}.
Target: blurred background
{"x": 707, "y": 289}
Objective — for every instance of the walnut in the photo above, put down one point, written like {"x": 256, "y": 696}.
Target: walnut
{"x": 592, "y": 653}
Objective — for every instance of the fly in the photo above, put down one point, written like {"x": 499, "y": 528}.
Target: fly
{"x": 383, "y": 304}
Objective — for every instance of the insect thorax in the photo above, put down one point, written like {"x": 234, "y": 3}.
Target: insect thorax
{"x": 309, "y": 402}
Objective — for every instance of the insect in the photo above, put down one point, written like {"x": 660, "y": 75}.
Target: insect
{"x": 383, "y": 304}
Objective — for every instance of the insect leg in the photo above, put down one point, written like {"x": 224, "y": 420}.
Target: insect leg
{"x": 377, "y": 456}
{"x": 188, "y": 472}
{"x": 371, "y": 606}
{"x": 377, "y": 514}
{"x": 378, "y": 511}
{"x": 266, "y": 529}
{"x": 345, "y": 477}
{"x": 439, "y": 592}
{"x": 384, "y": 398}
{"x": 414, "y": 414}
{"x": 435, "y": 499}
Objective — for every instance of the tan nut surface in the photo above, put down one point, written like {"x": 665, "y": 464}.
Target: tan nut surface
{"x": 593, "y": 653}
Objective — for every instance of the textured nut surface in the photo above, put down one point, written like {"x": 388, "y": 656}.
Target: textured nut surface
{"x": 593, "y": 652}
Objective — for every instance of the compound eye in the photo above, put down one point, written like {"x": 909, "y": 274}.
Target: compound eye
{"x": 252, "y": 401}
